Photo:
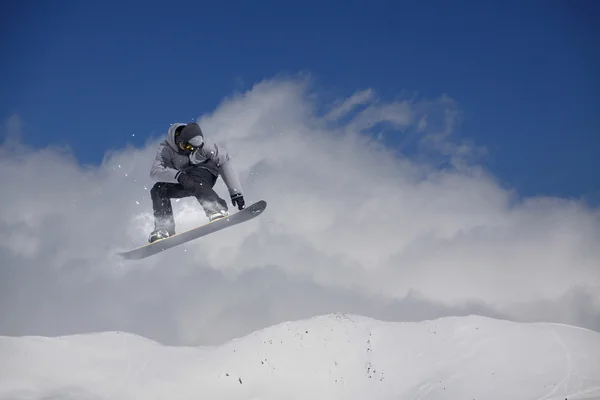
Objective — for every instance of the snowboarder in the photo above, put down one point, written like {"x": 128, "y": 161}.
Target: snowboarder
{"x": 188, "y": 165}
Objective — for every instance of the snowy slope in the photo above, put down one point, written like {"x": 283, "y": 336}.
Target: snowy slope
{"x": 328, "y": 357}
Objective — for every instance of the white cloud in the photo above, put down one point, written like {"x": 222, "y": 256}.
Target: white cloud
{"x": 351, "y": 225}
{"x": 357, "y": 99}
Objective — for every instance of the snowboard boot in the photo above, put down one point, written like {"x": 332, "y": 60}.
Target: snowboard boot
{"x": 218, "y": 214}
{"x": 158, "y": 234}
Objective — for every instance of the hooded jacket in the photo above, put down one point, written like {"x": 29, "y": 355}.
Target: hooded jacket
{"x": 170, "y": 161}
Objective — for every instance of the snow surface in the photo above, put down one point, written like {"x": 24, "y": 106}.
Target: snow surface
{"x": 334, "y": 356}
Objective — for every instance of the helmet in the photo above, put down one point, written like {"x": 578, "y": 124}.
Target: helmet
{"x": 189, "y": 137}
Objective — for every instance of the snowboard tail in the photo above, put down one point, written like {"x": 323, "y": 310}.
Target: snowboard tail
{"x": 150, "y": 249}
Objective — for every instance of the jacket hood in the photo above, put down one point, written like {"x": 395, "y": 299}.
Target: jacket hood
{"x": 171, "y": 135}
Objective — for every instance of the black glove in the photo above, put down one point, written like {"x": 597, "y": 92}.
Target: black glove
{"x": 238, "y": 200}
{"x": 185, "y": 180}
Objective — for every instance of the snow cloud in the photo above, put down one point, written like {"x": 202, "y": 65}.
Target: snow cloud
{"x": 352, "y": 225}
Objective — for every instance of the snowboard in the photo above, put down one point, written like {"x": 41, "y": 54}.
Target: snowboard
{"x": 150, "y": 249}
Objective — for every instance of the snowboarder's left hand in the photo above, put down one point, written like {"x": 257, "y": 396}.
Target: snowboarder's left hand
{"x": 238, "y": 200}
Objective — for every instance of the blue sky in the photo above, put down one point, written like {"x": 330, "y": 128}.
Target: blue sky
{"x": 91, "y": 74}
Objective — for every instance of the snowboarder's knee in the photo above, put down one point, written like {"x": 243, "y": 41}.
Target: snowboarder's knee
{"x": 158, "y": 190}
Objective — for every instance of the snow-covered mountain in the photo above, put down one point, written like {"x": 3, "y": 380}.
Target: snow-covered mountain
{"x": 334, "y": 356}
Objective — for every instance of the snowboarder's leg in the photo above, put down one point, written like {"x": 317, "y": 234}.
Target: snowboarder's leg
{"x": 161, "y": 194}
{"x": 213, "y": 205}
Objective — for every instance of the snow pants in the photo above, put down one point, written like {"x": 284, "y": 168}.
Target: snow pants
{"x": 162, "y": 193}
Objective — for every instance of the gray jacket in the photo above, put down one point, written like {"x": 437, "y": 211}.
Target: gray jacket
{"x": 169, "y": 161}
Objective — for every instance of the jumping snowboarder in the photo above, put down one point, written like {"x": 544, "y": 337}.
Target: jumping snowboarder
{"x": 188, "y": 165}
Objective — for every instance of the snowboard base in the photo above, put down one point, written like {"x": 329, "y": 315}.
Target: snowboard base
{"x": 150, "y": 249}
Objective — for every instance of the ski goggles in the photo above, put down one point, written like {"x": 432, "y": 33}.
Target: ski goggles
{"x": 194, "y": 143}
{"x": 189, "y": 147}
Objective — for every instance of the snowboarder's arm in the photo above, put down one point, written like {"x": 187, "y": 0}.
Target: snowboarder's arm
{"x": 221, "y": 157}
{"x": 160, "y": 171}
{"x": 230, "y": 178}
